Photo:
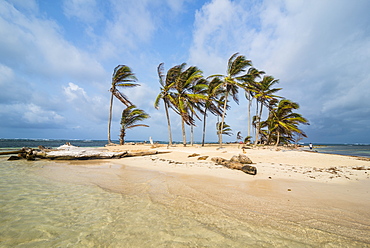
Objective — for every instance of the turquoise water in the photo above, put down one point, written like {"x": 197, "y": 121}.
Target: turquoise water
{"x": 46, "y": 204}
{"x": 348, "y": 149}
{"x": 362, "y": 150}
{"x": 39, "y": 212}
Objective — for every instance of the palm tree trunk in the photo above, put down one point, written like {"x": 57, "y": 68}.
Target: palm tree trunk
{"x": 258, "y": 126}
{"x": 192, "y": 132}
{"x": 249, "y": 116}
{"x": 204, "y": 126}
{"x": 122, "y": 137}
{"x": 110, "y": 118}
{"x": 168, "y": 124}
{"x": 255, "y": 126}
{"x": 183, "y": 131}
{"x": 223, "y": 119}
{"x": 277, "y": 139}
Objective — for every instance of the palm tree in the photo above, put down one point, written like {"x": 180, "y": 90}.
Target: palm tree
{"x": 236, "y": 67}
{"x": 199, "y": 87}
{"x": 167, "y": 82}
{"x": 283, "y": 122}
{"x": 239, "y": 136}
{"x": 225, "y": 129}
{"x": 247, "y": 139}
{"x": 122, "y": 77}
{"x": 249, "y": 83}
{"x": 263, "y": 94}
{"x": 212, "y": 102}
{"x": 183, "y": 100}
{"x": 130, "y": 116}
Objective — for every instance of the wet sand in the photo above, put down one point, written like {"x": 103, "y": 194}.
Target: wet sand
{"x": 304, "y": 197}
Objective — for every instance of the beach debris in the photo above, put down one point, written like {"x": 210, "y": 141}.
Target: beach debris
{"x": 360, "y": 168}
{"x": 241, "y": 158}
{"x": 203, "y": 158}
{"x": 70, "y": 152}
{"x": 193, "y": 155}
{"x": 237, "y": 163}
{"x": 14, "y": 158}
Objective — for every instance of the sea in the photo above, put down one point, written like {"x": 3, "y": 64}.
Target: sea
{"x": 360, "y": 150}
{"x": 49, "y": 204}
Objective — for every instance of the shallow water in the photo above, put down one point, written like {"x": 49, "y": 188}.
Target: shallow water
{"x": 43, "y": 204}
{"x": 350, "y": 150}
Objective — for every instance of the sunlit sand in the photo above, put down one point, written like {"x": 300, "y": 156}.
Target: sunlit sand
{"x": 312, "y": 196}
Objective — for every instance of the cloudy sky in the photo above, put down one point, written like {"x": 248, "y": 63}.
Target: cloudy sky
{"x": 57, "y": 58}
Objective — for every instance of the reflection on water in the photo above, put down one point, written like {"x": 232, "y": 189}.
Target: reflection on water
{"x": 39, "y": 212}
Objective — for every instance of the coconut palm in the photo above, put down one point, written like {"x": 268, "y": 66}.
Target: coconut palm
{"x": 283, "y": 122}
{"x": 212, "y": 102}
{"x": 183, "y": 99}
{"x": 167, "y": 83}
{"x": 247, "y": 139}
{"x": 122, "y": 77}
{"x": 130, "y": 117}
{"x": 248, "y": 85}
{"x": 263, "y": 93}
{"x": 226, "y": 130}
{"x": 236, "y": 69}
{"x": 199, "y": 87}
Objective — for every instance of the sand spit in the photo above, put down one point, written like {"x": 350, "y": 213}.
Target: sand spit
{"x": 318, "y": 199}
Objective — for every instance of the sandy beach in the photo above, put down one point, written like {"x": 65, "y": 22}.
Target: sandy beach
{"x": 312, "y": 198}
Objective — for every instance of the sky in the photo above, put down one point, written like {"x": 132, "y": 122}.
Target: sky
{"x": 57, "y": 59}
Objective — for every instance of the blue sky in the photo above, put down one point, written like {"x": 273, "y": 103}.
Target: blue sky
{"x": 57, "y": 58}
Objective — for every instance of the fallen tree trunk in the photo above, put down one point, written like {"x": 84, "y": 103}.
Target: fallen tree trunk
{"x": 11, "y": 152}
{"x": 69, "y": 152}
{"x": 141, "y": 153}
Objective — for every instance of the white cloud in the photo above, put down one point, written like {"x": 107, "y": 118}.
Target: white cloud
{"x": 89, "y": 108}
{"x": 175, "y": 5}
{"x": 132, "y": 23}
{"x": 318, "y": 49}
{"x": 34, "y": 114}
{"x": 74, "y": 92}
{"x": 86, "y": 11}
{"x": 36, "y": 45}
{"x": 28, "y": 6}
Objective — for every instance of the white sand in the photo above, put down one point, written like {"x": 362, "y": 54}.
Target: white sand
{"x": 322, "y": 194}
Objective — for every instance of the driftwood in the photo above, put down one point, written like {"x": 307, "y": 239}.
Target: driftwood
{"x": 237, "y": 163}
{"x": 69, "y": 152}
{"x": 141, "y": 153}
{"x": 11, "y": 152}
{"x": 24, "y": 153}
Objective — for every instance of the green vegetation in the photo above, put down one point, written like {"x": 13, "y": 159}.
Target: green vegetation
{"x": 122, "y": 77}
{"x": 189, "y": 94}
{"x": 223, "y": 129}
{"x": 130, "y": 117}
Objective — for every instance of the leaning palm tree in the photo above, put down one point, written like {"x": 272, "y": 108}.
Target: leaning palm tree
{"x": 212, "y": 102}
{"x": 248, "y": 85}
{"x": 167, "y": 82}
{"x": 199, "y": 87}
{"x": 183, "y": 99}
{"x": 223, "y": 129}
{"x": 130, "y": 116}
{"x": 283, "y": 122}
{"x": 122, "y": 77}
{"x": 236, "y": 68}
{"x": 263, "y": 94}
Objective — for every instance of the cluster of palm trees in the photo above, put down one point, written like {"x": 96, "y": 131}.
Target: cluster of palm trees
{"x": 124, "y": 77}
{"x": 190, "y": 95}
